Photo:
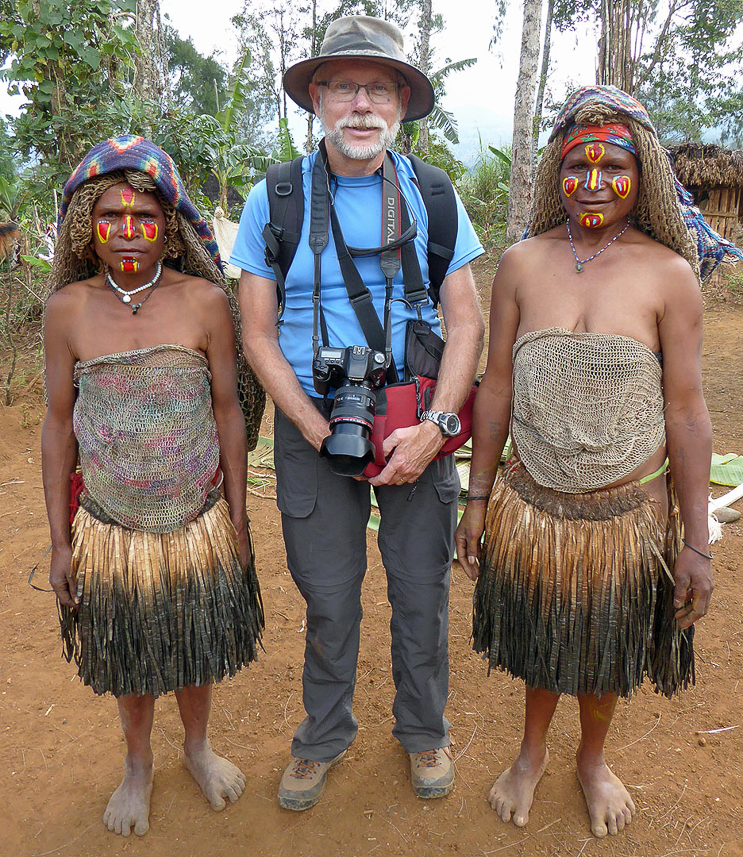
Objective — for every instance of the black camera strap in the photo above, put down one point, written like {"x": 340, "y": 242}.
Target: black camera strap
{"x": 397, "y": 248}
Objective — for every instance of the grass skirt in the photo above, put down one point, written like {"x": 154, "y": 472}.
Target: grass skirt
{"x": 575, "y": 593}
{"x": 159, "y": 611}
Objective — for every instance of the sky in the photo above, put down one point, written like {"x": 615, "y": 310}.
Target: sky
{"x": 481, "y": 97}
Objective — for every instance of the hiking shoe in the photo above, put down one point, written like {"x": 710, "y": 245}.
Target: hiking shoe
{"x": 432, "y": 772}
{"x": 303, "y": 782}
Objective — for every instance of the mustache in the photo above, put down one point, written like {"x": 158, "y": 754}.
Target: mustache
{"x": 362, "y": 122}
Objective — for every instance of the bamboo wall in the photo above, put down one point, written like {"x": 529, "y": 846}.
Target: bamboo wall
{"x": 723, "y": 210}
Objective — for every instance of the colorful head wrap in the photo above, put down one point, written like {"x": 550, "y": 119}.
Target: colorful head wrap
{"x": 664, "y": 208}
{"x": 135, "y": 153}
{"x": 613, "y": 132}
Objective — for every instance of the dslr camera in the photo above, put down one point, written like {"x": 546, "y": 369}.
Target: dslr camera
{"x": 356, "y": 371}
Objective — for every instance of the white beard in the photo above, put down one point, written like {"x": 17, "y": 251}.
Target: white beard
{"x": 367, "y": 152}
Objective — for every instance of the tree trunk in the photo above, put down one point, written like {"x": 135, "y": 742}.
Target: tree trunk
{"x": 313, "y": 52}
{"x": 424, "y": 59}
{"x": 522, "y": 165}
{"x": 543, "y": 77}
{"x": 150, "y": 72}
{"x": 616, "y": 62}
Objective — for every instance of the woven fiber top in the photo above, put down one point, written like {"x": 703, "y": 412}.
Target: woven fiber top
{"x": 587, "y": 407}
{"x": 146, "y": 434}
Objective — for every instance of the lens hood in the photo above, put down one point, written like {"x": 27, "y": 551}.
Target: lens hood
{"x": 348, "y": 452}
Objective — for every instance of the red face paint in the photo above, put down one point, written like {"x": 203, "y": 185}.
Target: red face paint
{"x": 622, "y": 186}
{"x": 594, "y": 180}
{"x": 129, "y": 266}
{"x": 128, "y": 196}
{"x": 128, "y": 226}
{"x": 591, "y": 219}
{"x": 149, "y": 230}
{"x": 104, "y": 230}
{"x": 595, "y": 152}
{"x": 569, "y": 185}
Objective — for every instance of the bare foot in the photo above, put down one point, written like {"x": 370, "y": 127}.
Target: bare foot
{"x": 513, "y": 792}
{"x": 129, "y": 805}
{"x": 609, "y": 803}
{"x": 218, "y": 778}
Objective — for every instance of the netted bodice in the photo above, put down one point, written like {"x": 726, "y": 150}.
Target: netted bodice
{"x": 587, "y": 407}
{"x": 146, "y": 434}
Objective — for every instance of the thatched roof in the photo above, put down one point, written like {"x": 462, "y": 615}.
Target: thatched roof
{"x": 705, "y": 165}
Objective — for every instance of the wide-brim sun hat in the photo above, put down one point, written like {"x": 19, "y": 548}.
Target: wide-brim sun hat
{"x": 363, "y": 38}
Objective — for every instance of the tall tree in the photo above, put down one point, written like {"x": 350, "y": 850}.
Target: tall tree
{"x": 522, "y": 163}
{"x": 195, "y": 80}
{"x": 150, "y": 62}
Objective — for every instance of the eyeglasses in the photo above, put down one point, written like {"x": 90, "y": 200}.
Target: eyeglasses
{"x": 347, "y": 90}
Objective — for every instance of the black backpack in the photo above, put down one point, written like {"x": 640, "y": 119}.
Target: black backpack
{"x": 286, "y": 215}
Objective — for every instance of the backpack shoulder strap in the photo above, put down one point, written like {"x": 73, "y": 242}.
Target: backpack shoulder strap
{"x": 286, "y": 214}
{"x": 440, "y": 202}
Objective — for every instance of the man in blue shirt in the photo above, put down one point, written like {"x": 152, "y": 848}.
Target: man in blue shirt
{"x": 361, "y": 87}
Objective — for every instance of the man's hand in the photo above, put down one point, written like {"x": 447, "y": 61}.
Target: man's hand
{"x": 411, "y": 449}
{"x": 60, "y": 577}
{"x": 693, "y": 590}
{"x": 468, "y": 535}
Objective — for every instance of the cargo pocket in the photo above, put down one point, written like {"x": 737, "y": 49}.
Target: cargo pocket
{"x": 296, "y": 463}
{"x": 446, "y": 478}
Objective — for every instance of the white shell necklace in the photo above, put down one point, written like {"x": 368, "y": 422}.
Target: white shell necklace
{"x": 579, "y": 263}
{"x": 125, "y": 295}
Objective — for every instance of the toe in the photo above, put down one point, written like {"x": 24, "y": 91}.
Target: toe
{"x": 141, "y": 827}
{"x": 613, "y": 825}
{"x": 598, "y": 828}
{"x": 521, "y": 819}
{"x": 232, "y": 793}
{"x": 218, "y": 802}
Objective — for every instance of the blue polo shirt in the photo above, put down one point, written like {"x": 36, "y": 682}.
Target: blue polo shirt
{"x": 358, "y": 203}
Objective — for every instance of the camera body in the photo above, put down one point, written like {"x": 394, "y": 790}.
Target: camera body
{"x": 355, "y": 371}
{"x": 355, "y": 363}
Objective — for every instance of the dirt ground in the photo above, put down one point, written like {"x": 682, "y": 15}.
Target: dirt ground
{"x": 61, "y": 748}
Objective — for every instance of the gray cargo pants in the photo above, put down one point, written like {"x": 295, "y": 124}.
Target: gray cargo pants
{"x": 324, "y": 518}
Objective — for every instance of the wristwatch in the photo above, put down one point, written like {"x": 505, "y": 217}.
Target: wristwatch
{"x": 448, "y": 424}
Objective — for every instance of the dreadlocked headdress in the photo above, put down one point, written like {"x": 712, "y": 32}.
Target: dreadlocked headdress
{"x": 664, "y": 208}
{"x": 189, "y": 244}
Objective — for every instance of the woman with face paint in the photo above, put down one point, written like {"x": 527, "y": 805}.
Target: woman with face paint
{"x": 152, "y": 563}
{"x": 595, "y": 562}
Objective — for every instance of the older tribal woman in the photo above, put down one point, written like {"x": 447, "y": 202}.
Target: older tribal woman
{"x": 153, "y": 565}
{"x": 592, "y": 573}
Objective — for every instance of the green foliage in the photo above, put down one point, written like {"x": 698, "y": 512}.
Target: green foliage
{"x": 195, "y": 80}
{"x": 285, "y": 150}
{"x": 68, "y": 60}
{"x": 484, "y": 191}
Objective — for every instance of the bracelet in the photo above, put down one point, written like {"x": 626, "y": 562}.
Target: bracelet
{"x": 705, "y": 555}
{"x": 479, "y": 497}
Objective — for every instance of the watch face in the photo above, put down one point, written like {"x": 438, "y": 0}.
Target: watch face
{"x": 450, "y": 425}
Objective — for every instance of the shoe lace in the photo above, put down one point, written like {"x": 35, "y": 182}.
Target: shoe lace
{"x": 304, "y": 768}
{"x": 428, "y": 758}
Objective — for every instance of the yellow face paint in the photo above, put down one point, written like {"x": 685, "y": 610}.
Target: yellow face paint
{"x": 128, "y": 226}
{"x": 129, "y": 266}
{"x": 622, "y": 186}
{"x": 594, "y": 179}
{"x": 591, "y": 219}
{"x": 103, "y": 228}
{"x": 149, "y": 230}
{"x": 128, "y": 196}
{"x": 595, "y": 152}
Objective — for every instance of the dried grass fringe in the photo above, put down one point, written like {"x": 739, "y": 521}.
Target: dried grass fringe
{"x": 576, "y": 595}
{"x": 160, "y": 611}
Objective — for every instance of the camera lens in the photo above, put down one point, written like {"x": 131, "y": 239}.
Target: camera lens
{"x": 349, "y": 448}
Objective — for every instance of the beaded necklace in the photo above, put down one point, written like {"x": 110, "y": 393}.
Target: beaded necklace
{"x": 579, "y": 263}
{"x": 125, "y": 295}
